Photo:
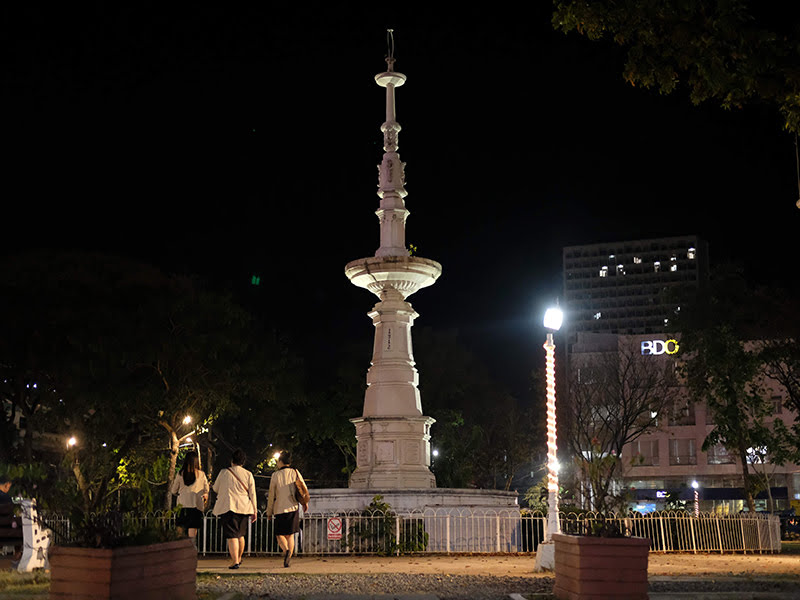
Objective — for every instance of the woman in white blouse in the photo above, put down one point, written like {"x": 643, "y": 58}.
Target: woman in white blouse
{"x": 281, "y": 503}
{"x": 191, "y": 486}
{"x": 236, "y": 502}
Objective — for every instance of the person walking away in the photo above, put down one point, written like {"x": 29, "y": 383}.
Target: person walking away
{"x": 236, "y": 502}
{"x": 9, "y": 522}
{"x": 191, "y": 487}
{"x": 282, "y": 504}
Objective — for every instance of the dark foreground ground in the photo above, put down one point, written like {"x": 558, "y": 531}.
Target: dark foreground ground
{"x": 478, "y": 577}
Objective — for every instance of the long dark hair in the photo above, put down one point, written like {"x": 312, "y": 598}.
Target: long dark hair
{"x": 191, "y": 465}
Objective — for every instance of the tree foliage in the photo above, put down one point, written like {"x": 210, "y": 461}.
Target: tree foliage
{"x": 727, "y": 333}
{"x": 113, "y": 353}
{"x": 484, "y": 435}
{"x": 733, "y": 52}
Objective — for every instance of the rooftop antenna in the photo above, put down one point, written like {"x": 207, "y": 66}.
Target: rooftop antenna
{"x": 390, "y": 45}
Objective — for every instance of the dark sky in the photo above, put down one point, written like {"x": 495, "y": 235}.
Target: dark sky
{"x": 230, "y": 140}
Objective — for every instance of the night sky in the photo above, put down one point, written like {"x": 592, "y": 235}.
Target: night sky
{"x": 232, "y": 140}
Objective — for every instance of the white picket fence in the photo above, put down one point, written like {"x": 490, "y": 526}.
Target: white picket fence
{"x": 462, "y": 531}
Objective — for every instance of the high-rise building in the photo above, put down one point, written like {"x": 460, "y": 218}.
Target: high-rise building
{"x": 626, "y": 287}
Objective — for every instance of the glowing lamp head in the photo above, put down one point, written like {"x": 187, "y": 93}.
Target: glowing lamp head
{"x": 187, "y": 419}
{"x": 695, "y": 485}
{"x": 72, "y": 442}
{"x": 553, "y": 318}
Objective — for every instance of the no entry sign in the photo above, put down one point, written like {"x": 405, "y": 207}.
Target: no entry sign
{"x": 334, "y": 528}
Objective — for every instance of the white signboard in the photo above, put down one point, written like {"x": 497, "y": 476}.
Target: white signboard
{"x": 334, "y": 528}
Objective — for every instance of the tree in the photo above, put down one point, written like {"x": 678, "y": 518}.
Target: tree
{"x": 733, "y": 52}
{"x": 615, "y": 396}
{"x": 117, "y": 352}
{"x": 724, "y": 374}
{"x": 725, "y": 327}
{"x": 192, "y": 351}
{"x": 483, "y": 434}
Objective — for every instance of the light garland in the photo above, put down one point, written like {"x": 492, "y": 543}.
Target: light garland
{"x": 550, "y": 374}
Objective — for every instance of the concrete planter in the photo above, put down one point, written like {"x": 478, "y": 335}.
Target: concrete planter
{"x": 159, "y": 571}
{"x": 593, "y": 568}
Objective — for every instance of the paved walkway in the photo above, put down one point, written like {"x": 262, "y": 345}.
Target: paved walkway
{"x": 660, "y": 565}
{"x": 670, "y": 567}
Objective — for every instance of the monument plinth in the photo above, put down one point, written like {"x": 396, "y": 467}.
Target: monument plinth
{"x": 393, "y": 435}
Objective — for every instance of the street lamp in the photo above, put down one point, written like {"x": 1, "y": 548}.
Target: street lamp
{"x": 545, "y": 554}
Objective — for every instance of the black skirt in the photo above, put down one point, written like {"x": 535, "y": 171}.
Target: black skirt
{"x": 190, "y": 518}
{"x": 287, "y": 523}
{"x": 234, "y": 525}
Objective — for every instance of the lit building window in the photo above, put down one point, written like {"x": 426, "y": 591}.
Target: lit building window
{"x": 673, "y": 267}
{"x": 657, "y": 266}
{"x": 597, "y": 316}
{"x": 673, "y": 258}
{"x": 637, "y": 260}
{"x": 691, "y": 254}
{"x": 620, "y": 270}
{"x": 666, "y": 322}
{"x": 604, "y": 272}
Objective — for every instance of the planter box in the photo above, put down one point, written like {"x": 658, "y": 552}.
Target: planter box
{"x": 593, "y": 568}
{"x": 167, "y": 570}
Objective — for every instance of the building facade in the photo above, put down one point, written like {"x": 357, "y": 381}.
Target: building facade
{"x": 660, "y": 467}
{"x": 627, "y": 287}
{"x": 626, "y": 293}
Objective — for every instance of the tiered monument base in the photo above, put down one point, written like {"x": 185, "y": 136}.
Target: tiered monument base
{"x": 331, "y": 500}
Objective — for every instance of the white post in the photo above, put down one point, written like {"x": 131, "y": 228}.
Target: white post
{"x": 447, "y": 534}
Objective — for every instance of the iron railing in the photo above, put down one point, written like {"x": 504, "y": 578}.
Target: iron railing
{"x": 459, "y": 531}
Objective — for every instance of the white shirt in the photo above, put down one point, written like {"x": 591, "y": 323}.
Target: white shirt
{"x": 232, "y": 495}
{"x": 281, "y": 491}
{"x": 189, "y": 496}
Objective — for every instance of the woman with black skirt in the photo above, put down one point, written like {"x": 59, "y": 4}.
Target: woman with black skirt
{"x": 236, "y": 504}
{"x": 282, "y": 504}
{"x": 191, "y": 487}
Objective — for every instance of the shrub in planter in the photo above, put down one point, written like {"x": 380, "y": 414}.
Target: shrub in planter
{"x": 117, "y": 560}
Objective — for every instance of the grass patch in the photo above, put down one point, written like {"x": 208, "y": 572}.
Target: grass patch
{"x": 24, "y": 586}
{"x": 790, "y": 547}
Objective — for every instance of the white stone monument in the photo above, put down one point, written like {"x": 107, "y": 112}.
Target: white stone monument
{"x": 393, "y": 435}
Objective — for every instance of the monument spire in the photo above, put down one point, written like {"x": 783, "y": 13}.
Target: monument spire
{"x": 393, "y": 435}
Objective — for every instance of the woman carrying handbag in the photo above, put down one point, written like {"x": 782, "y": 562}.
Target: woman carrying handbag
{"x": 285, "y": 486}
{"x": 236, "y": 503}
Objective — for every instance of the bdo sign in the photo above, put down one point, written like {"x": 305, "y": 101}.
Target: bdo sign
{"x": 656, "y": 347}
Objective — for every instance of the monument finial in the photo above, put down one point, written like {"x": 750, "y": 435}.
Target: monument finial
{"x": 390, "y": 45}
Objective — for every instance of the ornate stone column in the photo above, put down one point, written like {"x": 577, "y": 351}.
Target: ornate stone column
{"x": 393, "y": 435}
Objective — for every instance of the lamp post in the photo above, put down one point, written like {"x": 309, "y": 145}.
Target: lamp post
{"x": 545, "y": 554}
{"x": 696, "y": 485}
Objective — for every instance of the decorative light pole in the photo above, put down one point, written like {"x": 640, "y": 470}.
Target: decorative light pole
{"x": 696, "y": 485}
{"x": 545, "y": 554}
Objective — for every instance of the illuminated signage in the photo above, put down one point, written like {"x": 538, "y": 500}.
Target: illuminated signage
{"x": 661, "y": 494}
{"x": 656, "y": 347}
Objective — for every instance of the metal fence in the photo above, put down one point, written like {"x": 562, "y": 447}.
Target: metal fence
{"x": 461, "y": 531}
